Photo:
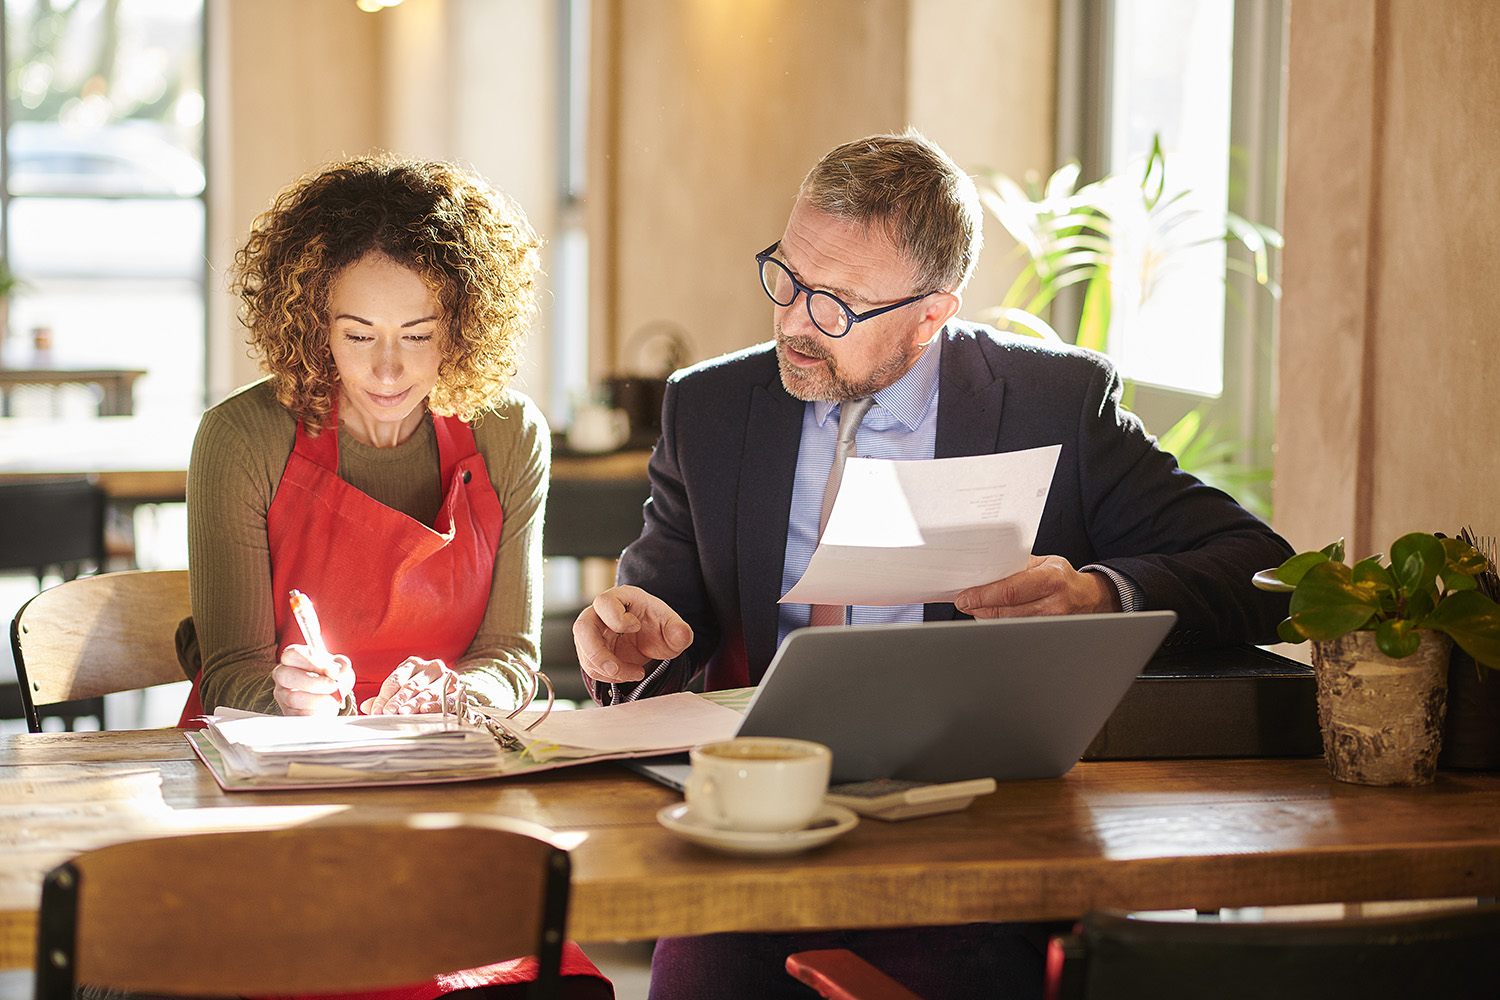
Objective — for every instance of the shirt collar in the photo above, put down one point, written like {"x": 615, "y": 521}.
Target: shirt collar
{"x": 907, "y": 399}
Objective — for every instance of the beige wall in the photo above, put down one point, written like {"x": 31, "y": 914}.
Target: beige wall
{"x": 307, "y": 82}
{"x": 1389, "y": 357}
{"x": 713, "y": 112}
{"x": 300, "y": 82}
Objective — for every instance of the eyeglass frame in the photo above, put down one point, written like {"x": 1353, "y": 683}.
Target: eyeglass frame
{"x": 764, "y": 257}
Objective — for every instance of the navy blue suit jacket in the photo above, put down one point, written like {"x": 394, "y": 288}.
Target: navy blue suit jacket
{"x": 721, "y": 485}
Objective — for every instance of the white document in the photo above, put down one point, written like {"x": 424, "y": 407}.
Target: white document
{"x": 916, "y": 532}
{"x": 670, "y": 722}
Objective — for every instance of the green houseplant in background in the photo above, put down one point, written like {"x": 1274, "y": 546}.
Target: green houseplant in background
{"x": 1118, "y": 233}
{"x": 9, "y": 285}
{"x": 1382, "y": 633}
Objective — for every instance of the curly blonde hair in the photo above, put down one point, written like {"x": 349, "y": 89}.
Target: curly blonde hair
{"x": 471, "y": 245}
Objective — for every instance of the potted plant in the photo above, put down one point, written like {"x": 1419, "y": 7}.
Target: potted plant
{"x": 1382, "y": 634}
{"x": 1121, "y": 232}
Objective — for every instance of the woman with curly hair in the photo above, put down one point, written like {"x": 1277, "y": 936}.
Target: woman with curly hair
{"x": 383, "y": 469}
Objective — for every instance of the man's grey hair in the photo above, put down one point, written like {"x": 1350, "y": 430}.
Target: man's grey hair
{"x": 907, "y": 187}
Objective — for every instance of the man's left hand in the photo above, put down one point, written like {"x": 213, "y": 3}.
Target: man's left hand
{"x": 1049, "y": 585}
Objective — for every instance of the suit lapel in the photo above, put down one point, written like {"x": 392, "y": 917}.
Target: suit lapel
{"x": 769, "y": 466}
{"x": 970, "y": 395}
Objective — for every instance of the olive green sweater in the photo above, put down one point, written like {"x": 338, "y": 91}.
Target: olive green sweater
{"x": 239, "y": 454}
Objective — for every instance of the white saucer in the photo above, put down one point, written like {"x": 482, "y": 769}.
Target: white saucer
{"x": 830, "y": 821}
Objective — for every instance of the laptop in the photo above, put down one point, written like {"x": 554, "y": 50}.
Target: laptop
{"x": 1003, "y": 698}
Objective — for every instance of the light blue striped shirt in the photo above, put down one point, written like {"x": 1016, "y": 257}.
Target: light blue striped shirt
{"x": 901, "y": 425}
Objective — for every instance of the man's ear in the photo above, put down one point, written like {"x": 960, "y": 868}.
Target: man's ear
{"x": 937, "y": 309}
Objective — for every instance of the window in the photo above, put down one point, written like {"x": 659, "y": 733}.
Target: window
{"x": 1204, "y": 76}
{"x": 102, "y": 191}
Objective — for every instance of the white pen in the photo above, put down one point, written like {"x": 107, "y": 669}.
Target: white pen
{"x": 307, "y": 620}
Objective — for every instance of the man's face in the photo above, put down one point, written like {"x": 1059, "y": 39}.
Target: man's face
{"x": 865, "y": 270}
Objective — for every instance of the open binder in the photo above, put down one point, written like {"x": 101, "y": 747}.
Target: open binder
{"x": 247, "y": 751}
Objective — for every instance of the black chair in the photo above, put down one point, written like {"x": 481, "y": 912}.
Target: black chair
{"x": 1111, "y": 955}
{"x": 52, "y": 524}
{"x": 586, "y": 519}
{"x": 48, "y": 524}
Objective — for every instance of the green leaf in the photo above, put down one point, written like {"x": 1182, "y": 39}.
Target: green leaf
{"x": 1454, "y": 582}
{"x": 1287, "y": 631}
{"x": 1093, "y": 321}
{"x": 1473, "y": 621}
{"x": 1463, "y": 557}
{"x": 1397, "y": 639}
{"x": 1334, "y": 550}
{"x": 1328, "y": 603}
{"x": 1291, "y": 571}
{"x": 1369, "y": 570}
{"x": 1416, "y": 560}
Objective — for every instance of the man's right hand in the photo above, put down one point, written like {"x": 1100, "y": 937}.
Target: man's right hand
{"x": 623, "y": 630}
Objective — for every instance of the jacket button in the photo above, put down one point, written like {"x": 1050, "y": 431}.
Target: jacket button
{"x": 467, "y": 476}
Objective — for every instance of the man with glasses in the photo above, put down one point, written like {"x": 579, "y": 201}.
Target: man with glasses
{"x": 866, "y": 283}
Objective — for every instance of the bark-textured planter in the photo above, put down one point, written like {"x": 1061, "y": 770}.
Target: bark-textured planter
{"x": 1382, "y": 719}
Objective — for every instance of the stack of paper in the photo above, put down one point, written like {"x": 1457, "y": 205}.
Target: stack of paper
{"x": 246, "y": 750}
{"x": 257, "y": 746}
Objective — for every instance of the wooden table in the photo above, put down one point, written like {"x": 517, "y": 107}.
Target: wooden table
{"x": 1137, "y": 835}
{"x": 135, "y": 459}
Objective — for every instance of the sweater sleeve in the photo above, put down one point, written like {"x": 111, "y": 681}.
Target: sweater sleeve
{"x": 238, "y": 456}
{"x": 517, "y": 449}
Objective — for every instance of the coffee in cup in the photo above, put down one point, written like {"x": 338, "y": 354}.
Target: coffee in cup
{"x": 758, "y": 783}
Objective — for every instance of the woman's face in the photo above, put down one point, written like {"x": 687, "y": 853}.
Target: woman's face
{"x": 385, "y": 337}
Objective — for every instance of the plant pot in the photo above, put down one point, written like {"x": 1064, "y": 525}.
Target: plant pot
{"x": 1382, "y": 719}
{"x": 1471, "y": 728}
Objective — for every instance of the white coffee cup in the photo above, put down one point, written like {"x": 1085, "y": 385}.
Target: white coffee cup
{"x": 598, "y": 429}
{"x": 758, "y": 783}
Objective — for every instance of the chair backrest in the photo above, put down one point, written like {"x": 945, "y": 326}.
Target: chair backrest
{"x": 46, "y": 524}
{"x": 311, "y": 909}
{"x": 1111, "y": 956}
{"x": 97, "y": 635}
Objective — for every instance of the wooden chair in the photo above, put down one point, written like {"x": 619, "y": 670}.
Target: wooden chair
{"x": 97, "y": 635}
{"x": 1113, "y": 956}
{"x": 316, "y": 908}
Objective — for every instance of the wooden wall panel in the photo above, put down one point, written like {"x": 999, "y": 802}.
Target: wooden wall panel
{"x": 1389, "y": 356}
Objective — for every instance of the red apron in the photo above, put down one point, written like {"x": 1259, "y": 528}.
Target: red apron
{"x": 387, "y": 587}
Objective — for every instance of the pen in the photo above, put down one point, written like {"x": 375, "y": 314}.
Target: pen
{"x": 307, "y": 620}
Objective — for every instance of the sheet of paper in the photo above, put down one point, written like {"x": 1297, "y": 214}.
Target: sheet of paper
{"x": 913, "y": 532}
{"x": 667, "y": 722}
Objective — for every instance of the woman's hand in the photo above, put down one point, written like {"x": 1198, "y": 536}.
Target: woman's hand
{"x": 306, "y": 685}
{"x": 414, "y": 687}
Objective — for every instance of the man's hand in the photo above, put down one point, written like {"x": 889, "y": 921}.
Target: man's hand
{"x": 1049, "y": 585}
{"x": 623, "y": 630}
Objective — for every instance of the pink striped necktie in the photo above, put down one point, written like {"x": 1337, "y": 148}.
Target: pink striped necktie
{"x": 851, "y": 412}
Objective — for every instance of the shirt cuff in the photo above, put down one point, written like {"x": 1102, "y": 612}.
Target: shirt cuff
{"x": 1131, "y": 598}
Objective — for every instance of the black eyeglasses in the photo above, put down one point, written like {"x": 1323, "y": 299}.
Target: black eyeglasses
{"x": 828, "y": 312}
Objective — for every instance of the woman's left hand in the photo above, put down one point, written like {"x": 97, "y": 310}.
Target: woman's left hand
{"x": 415, "y": 687}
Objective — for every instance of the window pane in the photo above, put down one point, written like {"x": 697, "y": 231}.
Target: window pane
{"x": 81, "y": 237}
{"x": 105, "y": 98}
{"x": 1173, "y": 61}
